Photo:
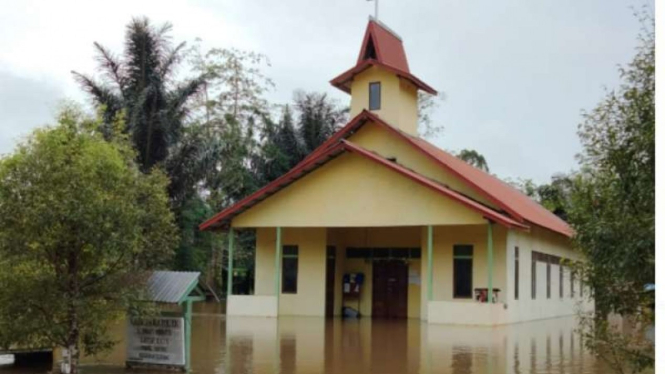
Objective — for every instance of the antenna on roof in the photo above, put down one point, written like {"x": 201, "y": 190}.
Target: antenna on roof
{"x": 376, "y": 9}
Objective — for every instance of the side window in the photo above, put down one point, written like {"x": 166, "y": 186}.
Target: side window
{"x": 290, "y": 269}
{"x": 560, "y": 281}
{"x": 533, "y": 275}
{"x": 549, "y": 279}
{"x": 517, "y": 273}
{"x": 375, "y": 96}
{"x": 462, "y": 271}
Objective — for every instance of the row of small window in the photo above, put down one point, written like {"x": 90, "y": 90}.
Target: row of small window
{"x": 549, "y": 260}
{"x": 462, "y": 265}
{"x": 383, "y": 253}
{"x": 290, "y": 260}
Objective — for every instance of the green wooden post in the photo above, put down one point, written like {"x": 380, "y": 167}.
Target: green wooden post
{"x": 430, "y": 260}
{"x": 278, "y": 263}
{"x": 188, "y": 334}
{"x": 490, "y": 262}
{"x": 229, "y": 275}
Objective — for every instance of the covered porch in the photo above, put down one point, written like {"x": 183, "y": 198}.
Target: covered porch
{"x": 438, "y": 273}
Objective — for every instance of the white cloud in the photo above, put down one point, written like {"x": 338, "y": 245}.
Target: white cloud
{"x": 516, "y": 74}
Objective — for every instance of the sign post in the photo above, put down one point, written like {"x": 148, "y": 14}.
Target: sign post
{"x": 156, "y": 341}
{"x": 165, "y": 340}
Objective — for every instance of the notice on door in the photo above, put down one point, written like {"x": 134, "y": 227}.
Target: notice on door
{"x": 159, "y": 340}
{"x": 414, "y": 276}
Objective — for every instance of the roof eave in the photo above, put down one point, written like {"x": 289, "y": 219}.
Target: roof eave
{"x": 341, "y": 81}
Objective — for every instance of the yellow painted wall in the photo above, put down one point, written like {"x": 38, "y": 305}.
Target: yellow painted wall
{"x": 373, "y": 237}
{"x": 311, "y": 242}
{"x": 387, "y": 144}
{"x": 526, "y": 308}
{"x": 399, "y": 99}
{"x": 445, "y": 237}
{"x": 351, "y": 191}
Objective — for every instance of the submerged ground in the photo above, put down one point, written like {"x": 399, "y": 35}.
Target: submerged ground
{"x": 316, "y": 345}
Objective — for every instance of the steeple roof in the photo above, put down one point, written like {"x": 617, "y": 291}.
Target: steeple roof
{"x": 384, "y": 46}
{"x": 381, "y": 47}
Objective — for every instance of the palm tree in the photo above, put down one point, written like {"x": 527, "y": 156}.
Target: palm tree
{"x": 140, "y": 85}
{"x": 473, "y": 158}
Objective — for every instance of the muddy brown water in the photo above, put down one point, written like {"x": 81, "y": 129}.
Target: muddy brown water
{"x": 316, "y": 345}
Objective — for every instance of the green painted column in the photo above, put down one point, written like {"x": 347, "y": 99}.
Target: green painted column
{"x": 490, "y": 262}
{"x": 278, "y": 263}
{"x": 188, "y": 335}
{"x": 229, "y": 273}
{"x": 430, "y": 261}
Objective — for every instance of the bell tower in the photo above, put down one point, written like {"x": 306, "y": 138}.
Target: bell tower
{"x": 381, "y": 81}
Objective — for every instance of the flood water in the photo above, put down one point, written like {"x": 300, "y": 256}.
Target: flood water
{"x": 316, "y": 345}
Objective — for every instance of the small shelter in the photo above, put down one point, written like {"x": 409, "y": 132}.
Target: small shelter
{"x": 165, "y": 340}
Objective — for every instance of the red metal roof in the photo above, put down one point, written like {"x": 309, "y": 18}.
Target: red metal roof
{"x": 519, "y": 206}
{"x": 388, "y": 46}
{"x": 224, "y": 217}
{"x": 389, "y": 54}
{"x": 343, "y": 80}
{"x": 505, "y": 195}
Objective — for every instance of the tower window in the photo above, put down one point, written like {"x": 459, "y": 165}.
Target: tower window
{"x": 375, "y": 96}
{"x": 370, "y": 51}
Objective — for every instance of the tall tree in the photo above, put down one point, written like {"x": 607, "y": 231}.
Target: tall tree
{"x": 555, "y": 195}
{"x": 473, "y": 158}
{"x": 427, "y": 105}
{"x": 280, "y": 149}
{"x": 318, "y": 118}
{"x": 79, "y": 225}
{"x": 613, "y": 211}
{"x": 235, "y": 83}
{"x": 142, "y": 84}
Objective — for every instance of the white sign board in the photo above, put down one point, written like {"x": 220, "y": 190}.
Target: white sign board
{"x": 159, "y": 340}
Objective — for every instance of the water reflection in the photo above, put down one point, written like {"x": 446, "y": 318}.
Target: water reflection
{"x": 314, "y": 345}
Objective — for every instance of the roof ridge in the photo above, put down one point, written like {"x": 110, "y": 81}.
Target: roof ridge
{"x": 385, "y": 27}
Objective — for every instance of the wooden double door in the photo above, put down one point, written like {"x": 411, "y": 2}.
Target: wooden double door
{"x": 390, "y": 289}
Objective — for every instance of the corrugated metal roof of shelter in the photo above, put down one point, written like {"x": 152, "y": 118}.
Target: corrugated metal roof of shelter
{"x": 171, "y": 286}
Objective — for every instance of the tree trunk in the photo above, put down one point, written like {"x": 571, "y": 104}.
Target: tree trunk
{"x": 74, "y": 332}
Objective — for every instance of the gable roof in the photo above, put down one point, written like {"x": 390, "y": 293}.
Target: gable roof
{"x": 387, "y": 45}
{"x": 381, "y": 47}
{"x": 224, "y": 217}
{"x": 171, "y": 286}
{"x": 519, "y": 208}
{"x": 507, "y": 197}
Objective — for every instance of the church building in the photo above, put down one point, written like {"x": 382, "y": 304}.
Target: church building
{"x": 380, "y": 223}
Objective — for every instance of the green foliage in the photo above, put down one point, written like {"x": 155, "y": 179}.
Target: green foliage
{"x": 79, "y": 224}
{"x": 427, "y": 104}
{"x": 235, "y": 83}
{"x": 142, "y": 84}
{"x": 280, "y": 149}
{"x": 554, "y": 196}
{"x": 318, "y": 118}
{"x": 613, "y": 207}
{"x": 199, "y": 250}
{"x": 473, "y": 158}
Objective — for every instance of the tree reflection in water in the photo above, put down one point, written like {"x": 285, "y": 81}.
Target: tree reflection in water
{"x": 315, "y": 345}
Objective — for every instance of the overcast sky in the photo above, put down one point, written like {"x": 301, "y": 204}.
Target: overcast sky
{"x": 515, "y": 74}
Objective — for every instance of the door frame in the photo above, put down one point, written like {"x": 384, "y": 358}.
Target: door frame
{"x": 404, "y": 307}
